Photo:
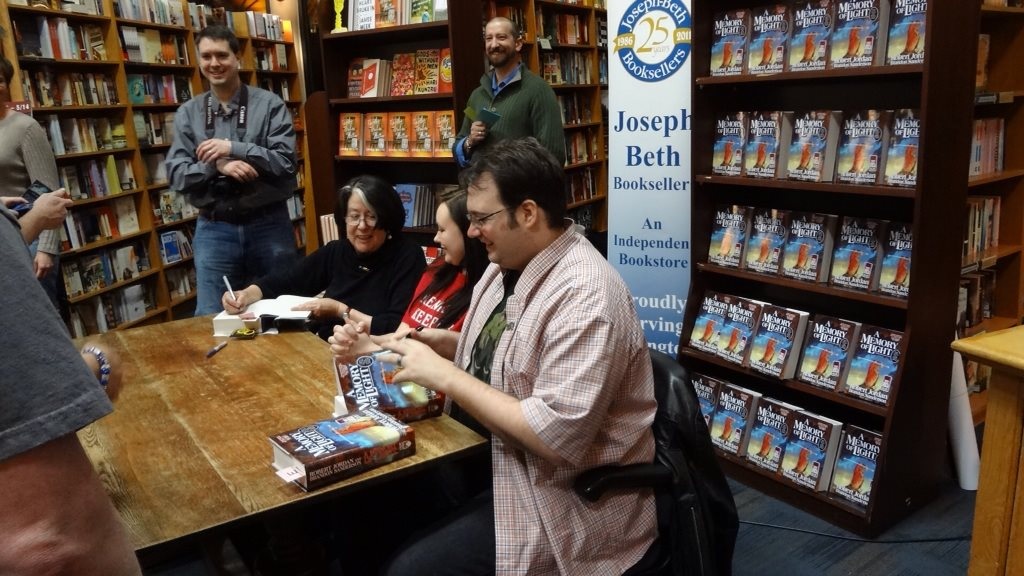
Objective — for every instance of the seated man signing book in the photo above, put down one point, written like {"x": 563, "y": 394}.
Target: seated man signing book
{"x": 552, "y": 361}
{"x": 373, "y": 269}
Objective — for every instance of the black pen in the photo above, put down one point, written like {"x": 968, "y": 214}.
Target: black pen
{"x": 216, "y": 349}
{"x": 409, "y": 333}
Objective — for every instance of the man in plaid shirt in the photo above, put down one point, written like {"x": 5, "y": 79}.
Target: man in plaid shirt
{"x": 553, "y": 362}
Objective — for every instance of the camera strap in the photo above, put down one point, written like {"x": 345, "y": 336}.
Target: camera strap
{"x": 243, "y": 114}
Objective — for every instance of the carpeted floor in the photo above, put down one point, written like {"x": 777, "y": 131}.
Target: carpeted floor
{"x": 763, "y": 551}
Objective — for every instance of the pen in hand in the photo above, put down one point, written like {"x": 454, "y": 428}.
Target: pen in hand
{"x": 230, "y": 291}
{"x": 216, "y": 349}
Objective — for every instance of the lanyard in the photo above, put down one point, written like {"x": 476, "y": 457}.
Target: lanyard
{"x": 243, "y": 113}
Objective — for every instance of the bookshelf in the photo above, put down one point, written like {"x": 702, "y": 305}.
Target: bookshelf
{"x": 999, "y": 96}
{"x": 565, "y": 42}
{"x": 106, "y": 90}
{"x": 460, "y": 33}
{"x": 912, "y": 460}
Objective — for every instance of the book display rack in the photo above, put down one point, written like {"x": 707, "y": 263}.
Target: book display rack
{"x": 993, "y": 263}
{"x": 902, "y": 313}
{"x": 565, "y": 42}
{"x": 387, "y": 80}
{"x": 104, "y": 80}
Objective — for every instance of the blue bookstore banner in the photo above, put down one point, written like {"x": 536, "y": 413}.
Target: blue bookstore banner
{"x": 649, "y": 173}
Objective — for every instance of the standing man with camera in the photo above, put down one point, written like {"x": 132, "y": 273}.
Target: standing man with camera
{"x": 233, "y": 157}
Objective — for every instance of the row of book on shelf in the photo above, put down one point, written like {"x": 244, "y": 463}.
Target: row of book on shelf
{"x": 149, "y": 46}
{"x": 801, "y": 36}
{"x": 70, "y": 135}
{"x": 567, "y": 67}
{"x": 97, "y": 178}
{"x": 93, "y": 7}
{"x": 425, "y": 71}
{"x": 796, "y": 446}
{"x": 873, "y": 147}
{"x": 104, "y": 268}
{"x": 106, "y": 221}
{"x": 111, "y": 309}
{"x": 976, "y": 299}
{"x": 175, "y": 245}
{"x": 420, "y": 133}
{"x": 868, "y": 255}
{"x": 57, "y": 38}
{"x": 834, "y": 354}
{"x": 181, "y": 281}
{"x": 371, "y": 14}
{"x": 564, "y": 28}
{"x": 170, "y": 206}
{"x": 158, "y": 89}
{"x": 418, "y": 201}
{"x": 582, "y": 146}
{"x": 41, "y": 87}
{"x": 274, "y": 58}
{"x": 981, "y": 230}
{"x": 153, "y": 128}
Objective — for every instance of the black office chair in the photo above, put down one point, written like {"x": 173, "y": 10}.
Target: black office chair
{"x": 697, "y": 521}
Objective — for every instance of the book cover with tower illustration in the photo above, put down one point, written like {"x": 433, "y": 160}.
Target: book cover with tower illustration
{"x": 741, "y": 317}
{"x": 709, "y": 322}
{"x": 769, "y": 432}
{"x": 854, "y": 476}
{"x": 730, "y": 139}
{"x": 729, "y": 232}
{"x": 777, "y": 340}
{"x": 858, "y": 35}
{"x": 730, "y": 426}
{"x": 769, "y": 39}
{"x": 904, "y": 145}
{"x": 894, "y": 277}
{"x": 828, "y": 344}
{"x": 764, "y": 141}
{"x": 730, "y": 34}
{"x": 857, "y": 256}
{"x": 874, "y": 364}
{"x": 906, "y": 32}
{"x": 808, "y": 248}
{"x": 707, "y": 389}
{"x": 861, "y": 149}
{"x": 811, "y": 34}
{"x": 814, "y": 136}
{"x": 811, "y": 450}
{"x": 768, "y": 230}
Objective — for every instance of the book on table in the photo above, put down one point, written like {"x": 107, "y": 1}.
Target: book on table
{"x": 328, "y": 451}
{"x": 269, "y": 315}
{"x": 373, "y": 382}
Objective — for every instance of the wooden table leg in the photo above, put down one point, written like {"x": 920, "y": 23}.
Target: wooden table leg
{"x": 1000, "y": 474}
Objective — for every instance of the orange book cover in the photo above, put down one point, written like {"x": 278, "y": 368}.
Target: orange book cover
{"x": 399, "y": 136}
{"x": 444, "y": 133}
{"x": 444, "y": 72}
{"x": 350, "y": 134}
{"x": 422, "y": 145}
{"x": 375, "y": 129}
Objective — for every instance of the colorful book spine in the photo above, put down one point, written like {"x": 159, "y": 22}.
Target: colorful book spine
{"x": 764, "y": 138}
{"x": 906, "y": 32}
{"x": 710, "y": 321}
{"x": 894, "y": 278}
{"x": 828, "y": 344}
{"x": 729, "y": 233}
{"x": 904, "y": 144}
{"x": 707, "y": 389}
{"x": 858, "y": 34}
{"x": 730, "y": 426}
{"x": 730, "y": 139}
{"x": 780, "y": 331}
{"x": 812, "y": 31}
{"x": 769, "y": 432}
{"x": 808, "y": 247}
{"x": 730, "y": 35}
{"x": 874, "y": 364}
{"x": 814, "y": 136}
{"x": 811, "y": 450}
{"x": 860, "y": 154}
{"x": 769, "y": 38}
{"x": 854, "y": 476}
{"x": 768, "y": 230}
{"x": 741, "y": 318}
{"x": 857, "y": 255}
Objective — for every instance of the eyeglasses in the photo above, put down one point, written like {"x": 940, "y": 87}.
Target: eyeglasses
{"x": 355, "y": 219}
{"x": 479, "y": 221}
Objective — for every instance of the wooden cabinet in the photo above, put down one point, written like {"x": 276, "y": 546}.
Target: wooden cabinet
{"x": 459, "y": 34}
{"x": 913, "y": 455}
{"x": 565, "y": 42}
{"x": 105, "y": 88}
{"x": 1000, "y": 97}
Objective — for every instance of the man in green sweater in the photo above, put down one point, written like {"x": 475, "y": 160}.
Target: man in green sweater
{"x": 511, "y": 101}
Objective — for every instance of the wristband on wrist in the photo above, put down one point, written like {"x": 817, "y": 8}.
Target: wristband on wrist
{"x": 101, "y": 359}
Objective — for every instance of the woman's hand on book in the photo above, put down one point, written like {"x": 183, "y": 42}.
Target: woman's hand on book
{"x": 351, "y": 341}
{"x": 242, "y": 298}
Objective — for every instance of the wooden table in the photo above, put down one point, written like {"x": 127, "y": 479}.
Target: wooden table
{"x": 997, "y": 543}
{"x": 185, "y": 453}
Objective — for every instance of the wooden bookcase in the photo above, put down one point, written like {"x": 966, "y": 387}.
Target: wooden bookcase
{"x": 563, "y": 44}
{"x": 148, "y": 190}
{"x": 913, "y": 459}
{"x": 1005, "y": 27}
{"x": 460, "y": 32}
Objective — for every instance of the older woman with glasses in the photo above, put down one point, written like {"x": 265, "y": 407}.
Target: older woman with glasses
{"x": 374, "y": 268}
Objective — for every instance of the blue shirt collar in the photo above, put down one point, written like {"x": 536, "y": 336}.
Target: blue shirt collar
{"x": 497, "y": 85}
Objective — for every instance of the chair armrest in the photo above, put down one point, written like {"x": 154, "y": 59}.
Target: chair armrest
{"x": 592, "y": 484}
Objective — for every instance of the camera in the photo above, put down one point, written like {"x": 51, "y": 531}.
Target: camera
{"x": 224, "y": 186}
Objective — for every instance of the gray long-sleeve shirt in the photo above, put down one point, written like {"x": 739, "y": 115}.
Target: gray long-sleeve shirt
{"x": 25, "y": 155}
{"x": 268, "y": 145}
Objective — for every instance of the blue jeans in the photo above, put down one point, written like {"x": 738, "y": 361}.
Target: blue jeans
{"x": 49, "y": 282}
{"x": 242, "y": 252}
